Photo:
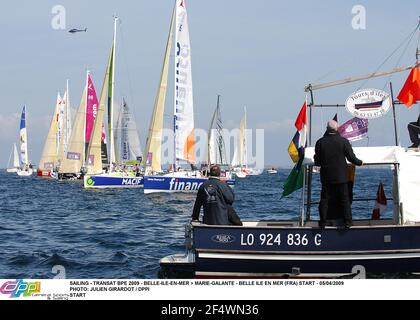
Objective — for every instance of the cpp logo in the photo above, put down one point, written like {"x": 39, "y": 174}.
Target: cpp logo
{"x": 20, "y": 287}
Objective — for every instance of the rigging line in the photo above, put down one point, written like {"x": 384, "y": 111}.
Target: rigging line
{"x": 392, "y": 53}
{"x": 398, "y": 61}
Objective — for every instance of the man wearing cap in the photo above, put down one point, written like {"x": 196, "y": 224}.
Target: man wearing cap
{"x": 331, "y": 152}
{"x": 216, "y": 198}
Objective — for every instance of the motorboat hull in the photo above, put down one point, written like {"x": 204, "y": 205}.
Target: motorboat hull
{"x": 223, "y": 251}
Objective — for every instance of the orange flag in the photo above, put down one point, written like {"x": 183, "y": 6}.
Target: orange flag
{"x": 410, "y": 92}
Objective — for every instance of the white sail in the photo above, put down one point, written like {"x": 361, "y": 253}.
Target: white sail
{"x": 128, "y": 142}
{"x": 216, "y": 144}
{"x": 154, "y": 138}
{"x": 183, "y": 93}
{"x": 212, "y": 147}
{"x": 15, "y": 157}
{"x": 49, "y": 155}
{"x": 75, "y": 155}
{"x": 243, "y": 156}
{"x": 67, "y": 130}
{"x": 235, "y": 159}
{"x": 240, "y": 152}
{"x": 23, "y": 139}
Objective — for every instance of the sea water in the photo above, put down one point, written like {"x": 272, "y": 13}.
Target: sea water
{"x": 50, "y": 228}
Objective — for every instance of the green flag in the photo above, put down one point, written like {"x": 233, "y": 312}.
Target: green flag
{"x": 295, "y": 179}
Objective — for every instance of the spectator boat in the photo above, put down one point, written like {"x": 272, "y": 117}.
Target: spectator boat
{"x": 299, "y": 247}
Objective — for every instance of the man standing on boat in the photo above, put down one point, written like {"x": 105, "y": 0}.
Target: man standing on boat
{"x": 331, "y": 152}
{"x": 216, "y": 198}
{"x": 414, "y": 131}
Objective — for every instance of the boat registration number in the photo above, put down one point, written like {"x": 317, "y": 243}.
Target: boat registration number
{"x": 272, "y": 239}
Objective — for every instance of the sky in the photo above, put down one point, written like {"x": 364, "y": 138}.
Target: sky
{"x": 258, "y": 54}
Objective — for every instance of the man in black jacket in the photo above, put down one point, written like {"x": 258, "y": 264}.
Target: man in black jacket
{"x": 331, "y": 152}
{"x": 414, "y": 131}
{"x": 216, "y": 198}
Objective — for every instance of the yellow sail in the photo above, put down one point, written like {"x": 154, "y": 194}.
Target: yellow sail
{"x": 94, "y": 160}
{"x": 49, "y": 153}
{"x": 74, "y": 159}
{"x": 154, "y": 139}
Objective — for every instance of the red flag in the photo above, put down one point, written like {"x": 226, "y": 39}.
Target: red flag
{"x": 410, "y": 92}
{"x": 380, "y": 203}
{"x": 301, "y": 118}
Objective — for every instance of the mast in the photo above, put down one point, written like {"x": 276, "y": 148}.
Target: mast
{"x": 210, "y": 142}
{"x": 245, "y": 142}
{"x": 111, "y": 101}
{"x": 220, "y": 143}
{"x": 84, "y": 122}
{"x": 311, "y": 87}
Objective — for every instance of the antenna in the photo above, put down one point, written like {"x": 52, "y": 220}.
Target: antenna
{"x": 418, "y": 42}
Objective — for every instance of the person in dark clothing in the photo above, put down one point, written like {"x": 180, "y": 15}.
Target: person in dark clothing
{"x": 331, "y": 152}
{"x": 414, "y": 131}
{"x": 216, "y": 198}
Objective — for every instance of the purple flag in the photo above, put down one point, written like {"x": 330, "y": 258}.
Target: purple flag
{"x": 354, "y": 129}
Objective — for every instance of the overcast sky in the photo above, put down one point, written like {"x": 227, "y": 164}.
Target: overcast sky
{"x": 258, "y": 54}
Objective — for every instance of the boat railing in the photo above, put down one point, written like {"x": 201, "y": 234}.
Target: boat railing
{"x": 307, "y": 202}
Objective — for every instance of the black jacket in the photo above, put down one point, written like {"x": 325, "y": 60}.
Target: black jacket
{"x": 331, "y": 152}
{"x": 215, "y": 197}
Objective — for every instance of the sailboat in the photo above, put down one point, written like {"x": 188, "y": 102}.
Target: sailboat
{"x": 50, "y": 153}
{"x": 127, "y": 142}
{"x": 72, "y": 160}
{"x": 16, "y": 166}
{"x": 240, "y": 156}
{"x": 216, "y": 148}
{"x": 95, "y": 176}
{"x": 239, "y": 161}
{"x": 26, "y": 167}
{"x": 178, "y": 180}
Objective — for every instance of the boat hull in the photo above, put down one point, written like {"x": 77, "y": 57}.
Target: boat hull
{"x": 44, "y": 173}
{"x": 225, "y": 251}
{"x": 25, "y": 173}
{"x": 109, "y": 181}
{"x": 12, "y": 170}
{"x": 153, "y": 184}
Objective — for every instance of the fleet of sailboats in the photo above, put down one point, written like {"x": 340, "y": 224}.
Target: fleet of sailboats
{"x": 105, "y": 154}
